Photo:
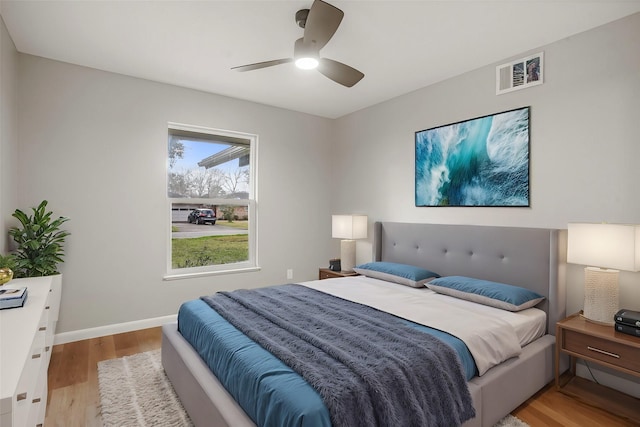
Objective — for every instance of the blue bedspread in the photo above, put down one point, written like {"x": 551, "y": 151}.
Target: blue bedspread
{"x": 281, "y": 397}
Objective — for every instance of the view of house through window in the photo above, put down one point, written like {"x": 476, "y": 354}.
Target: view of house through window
{"x": 210, "y": 188}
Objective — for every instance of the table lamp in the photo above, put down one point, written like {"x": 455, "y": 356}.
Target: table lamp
{"x": 605, "y": 248}
{"x": 348, "y": 228}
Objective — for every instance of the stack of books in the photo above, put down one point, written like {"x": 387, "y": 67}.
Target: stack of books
{"x": 12, "y": 297}
{"x": 628, "y": 322}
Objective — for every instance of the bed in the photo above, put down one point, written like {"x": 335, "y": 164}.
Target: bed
{"x": 527, "y": 257}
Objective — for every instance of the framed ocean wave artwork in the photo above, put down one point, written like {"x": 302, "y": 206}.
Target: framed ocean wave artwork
{"x": 476, "y": 162}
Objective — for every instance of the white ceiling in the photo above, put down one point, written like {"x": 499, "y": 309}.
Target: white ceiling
{"x": 400, "y": 46}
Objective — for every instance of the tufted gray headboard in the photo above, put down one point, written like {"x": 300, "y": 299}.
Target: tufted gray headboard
{"x": 526, "y": 257}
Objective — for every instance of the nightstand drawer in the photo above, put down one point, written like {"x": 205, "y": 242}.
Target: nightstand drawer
{"x": 601, "y": 349}
{"x": 324, "y": 274}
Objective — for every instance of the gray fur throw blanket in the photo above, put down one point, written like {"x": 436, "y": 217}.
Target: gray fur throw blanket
{"x": 369, "y": 367}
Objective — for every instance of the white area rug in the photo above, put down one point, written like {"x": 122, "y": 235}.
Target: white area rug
{"x": 511, "y": 421}
{"x": 135, "y": 392}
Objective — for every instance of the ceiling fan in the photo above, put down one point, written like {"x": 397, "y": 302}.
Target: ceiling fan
{"x": 320, "y": 24}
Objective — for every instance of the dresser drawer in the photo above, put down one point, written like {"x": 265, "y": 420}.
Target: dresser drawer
{"x": 615, "y": 353}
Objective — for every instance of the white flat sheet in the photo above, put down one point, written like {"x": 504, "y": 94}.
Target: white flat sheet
{"x": 492, "y": 335}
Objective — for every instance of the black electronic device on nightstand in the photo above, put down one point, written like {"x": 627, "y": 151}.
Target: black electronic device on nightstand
{"x": 627, "y": 322}
{"x": 334, "y": 264}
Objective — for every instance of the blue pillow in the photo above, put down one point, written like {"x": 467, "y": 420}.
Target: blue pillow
{"x": 499, "y": 295}
{"x": 403, "y": 274}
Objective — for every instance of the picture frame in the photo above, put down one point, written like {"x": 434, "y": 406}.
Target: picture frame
{"x": 482, "y": 161}
{"x": 520, "y": 74}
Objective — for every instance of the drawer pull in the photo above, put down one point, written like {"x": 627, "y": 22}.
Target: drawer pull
{"x": 35, "y": 356}
{"x": 597, "y": 350}
{"x": 42, "y": 328}
{"x": 36, "y": 400}
{"x": 47, "y": 308}
{"x": 47, "y": 348}
{"x": 21, "y": 396}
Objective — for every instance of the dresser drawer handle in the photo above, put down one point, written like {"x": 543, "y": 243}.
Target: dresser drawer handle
{"x": 36, "y": 400}
{"x": 42, "y": 328}
{"x": 597, "y": 350}
{"x": 21, "y": 396}
{"x": 35, "y": 356}
{"x": 47, "y": 307}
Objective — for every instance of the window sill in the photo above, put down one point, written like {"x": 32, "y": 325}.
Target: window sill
{"x": 180, "y": 276}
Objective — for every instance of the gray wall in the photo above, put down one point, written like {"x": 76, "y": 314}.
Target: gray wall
{"x": 8, "y": 133}
{"x": 95, "y": 144}
{"x": 584, "y": 142}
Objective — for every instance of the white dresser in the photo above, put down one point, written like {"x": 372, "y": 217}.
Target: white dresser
{"x": 26, "y": 341}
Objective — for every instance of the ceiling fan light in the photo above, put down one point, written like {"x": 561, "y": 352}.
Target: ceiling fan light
{"x": 307, "y": 63}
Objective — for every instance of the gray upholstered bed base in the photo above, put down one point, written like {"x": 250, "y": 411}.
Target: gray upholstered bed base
{"x": 522, "y": 256}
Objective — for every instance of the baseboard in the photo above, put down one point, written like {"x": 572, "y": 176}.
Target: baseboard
{"x": 101, "y": 331}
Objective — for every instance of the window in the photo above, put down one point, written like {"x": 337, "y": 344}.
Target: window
{"x": 211, "y": 193}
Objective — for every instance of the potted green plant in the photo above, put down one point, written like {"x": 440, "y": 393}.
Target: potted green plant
{"x": 40, "y": 242}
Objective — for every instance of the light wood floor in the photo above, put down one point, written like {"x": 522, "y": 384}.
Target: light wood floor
{"x": 74, "y": 400}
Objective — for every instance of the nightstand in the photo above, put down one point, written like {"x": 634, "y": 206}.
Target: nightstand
{"x": 602, "y": 345}
{"x": 325, "y": 273}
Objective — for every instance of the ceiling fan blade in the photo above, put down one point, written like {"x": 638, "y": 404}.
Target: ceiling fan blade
{"x": 322, "y": 23}
{"x": 339, "y": 72}
{"x": 264, "y": 64}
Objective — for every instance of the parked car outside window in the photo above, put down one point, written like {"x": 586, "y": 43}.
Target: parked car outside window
{"x": 202, "y": 216}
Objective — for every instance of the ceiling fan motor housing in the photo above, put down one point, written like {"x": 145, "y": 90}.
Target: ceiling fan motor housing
{"x": 305, "y": 50}
{"x": 301, "y": 17}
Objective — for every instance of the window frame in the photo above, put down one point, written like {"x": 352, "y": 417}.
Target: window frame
{"x": 251, "y": 203}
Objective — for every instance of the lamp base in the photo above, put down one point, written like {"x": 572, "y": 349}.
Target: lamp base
{"x": 600, "y": 295}
{"x": 347, "y": 255}
{"x": 595, "y": 322}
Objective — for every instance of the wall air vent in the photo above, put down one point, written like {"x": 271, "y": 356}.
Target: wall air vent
{"x": 520, "y": 74}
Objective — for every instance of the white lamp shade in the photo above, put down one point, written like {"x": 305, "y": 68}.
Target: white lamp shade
{"x": 349, "y": 226}
{"x": 614, "y": 246}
